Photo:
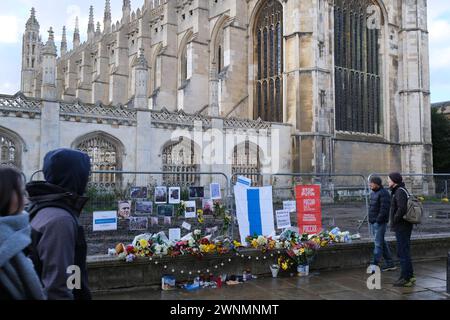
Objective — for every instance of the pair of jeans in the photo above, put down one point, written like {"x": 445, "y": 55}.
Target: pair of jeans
{"x": 382, "y": 249}
{"x": 403, "y": 234}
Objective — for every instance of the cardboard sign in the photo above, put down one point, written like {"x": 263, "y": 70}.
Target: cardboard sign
{"x": 104, "y": 221}
{"x": 309, "y": 209}
{"x": 283, "y": 219}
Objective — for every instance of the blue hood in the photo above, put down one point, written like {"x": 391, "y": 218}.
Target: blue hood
{"x": 68, "y": 169}
{"x": 15, "y": 234}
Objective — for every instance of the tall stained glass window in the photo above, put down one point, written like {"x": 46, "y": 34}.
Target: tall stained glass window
{"x": 357, "y": 67}
{"x": 268, "y": 55}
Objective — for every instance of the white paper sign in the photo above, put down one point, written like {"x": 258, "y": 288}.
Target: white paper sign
{"x": 243, "y": 181}
{"x": 290, "y": 205}
{"x": 283, "y": 219}
{"x": 190, "y": 210}
{"x": 174, "y": 234}
{"x": 104, "y": 221}
{"x": 186, "y": 226}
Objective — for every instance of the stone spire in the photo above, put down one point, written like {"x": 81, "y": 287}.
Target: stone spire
{"x": 64, "y": 42}
{"x": 31, "y": 54}
{"x": 76, "y": 34}
{"x": 126, "y": 11}
{"x": 141, "y": 81}
{"x": 50, "y": 47}
{"x": 98, "y": 31}
{"x": 141, "y": 61}
{"x": 91, "y": 25}
{"x": 32, "y": 23}
{"x": 49, "y": 54}
{"x": 107, "y": 19}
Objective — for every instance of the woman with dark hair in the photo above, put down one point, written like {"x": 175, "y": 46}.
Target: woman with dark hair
{"x": 18, "y": 279}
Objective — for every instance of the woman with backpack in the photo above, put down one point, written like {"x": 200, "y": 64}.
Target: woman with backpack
{"x": 18, "y": 279}
{"x": 403, "y": 229}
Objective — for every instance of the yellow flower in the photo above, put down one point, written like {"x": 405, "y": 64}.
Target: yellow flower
{"x": 143, "y": 243}
{"x": 237, "y": 244}
{"x": 254, "y": 243}
{"x": 284, "y": 266}
{"x": 302, "y": 251}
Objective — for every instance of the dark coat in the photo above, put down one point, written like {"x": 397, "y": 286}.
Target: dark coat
{"x": 58, "y": 240}
{"x": 399, "y": 208}
{"x": 380, "y": 202}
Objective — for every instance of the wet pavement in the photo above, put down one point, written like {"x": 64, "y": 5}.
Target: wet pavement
{"x": 330, "y": 285}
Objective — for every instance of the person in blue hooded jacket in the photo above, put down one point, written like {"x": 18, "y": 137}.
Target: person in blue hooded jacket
{"x": 59, "y": 246}
{"x": 18, "y": 279}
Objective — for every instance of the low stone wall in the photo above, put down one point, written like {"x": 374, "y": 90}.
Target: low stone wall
{"x": 106, "y": 273}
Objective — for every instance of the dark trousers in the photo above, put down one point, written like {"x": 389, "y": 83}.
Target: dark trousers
{"x": 403, "y": 235}
{"x": 381, "y": 249}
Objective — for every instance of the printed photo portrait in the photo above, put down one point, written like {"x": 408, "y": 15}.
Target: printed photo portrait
{"x": 144, "y": 208}
{"x": 190, "y": 211}
{"x": 138, "y": 224}
{"x": 196, "y": 192}
{"x": 124, "y": 209}
{"x": 208, "y": 206}
{"x": 154, "y": 221}
{"x": 139, "y": 193}
{"x": 160, "y": 195}
{"x": 165, "y": 210}
{"x": 174, "y": 195}
{"x": 167, "y": 221}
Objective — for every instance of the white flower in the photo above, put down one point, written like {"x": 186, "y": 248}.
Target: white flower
{"x": 261, "y": 240}
{"x": 158, "y": 249}
{"x": 191, "y": 242}
{"x": 197, "y": 232}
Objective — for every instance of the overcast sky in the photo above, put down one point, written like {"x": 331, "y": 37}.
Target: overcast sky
{"x": 14, "y": 14}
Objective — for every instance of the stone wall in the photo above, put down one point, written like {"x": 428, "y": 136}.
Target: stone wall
{"x": 106, "y": 273}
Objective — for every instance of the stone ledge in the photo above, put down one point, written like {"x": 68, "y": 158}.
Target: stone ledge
{"x": 106, "y": 273}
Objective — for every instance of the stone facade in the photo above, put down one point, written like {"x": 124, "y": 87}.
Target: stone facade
{"x": 199, "y": 59}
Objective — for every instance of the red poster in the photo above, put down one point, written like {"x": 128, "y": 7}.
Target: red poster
{"x": 309, "y": 209}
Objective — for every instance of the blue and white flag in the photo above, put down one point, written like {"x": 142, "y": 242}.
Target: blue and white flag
{"x": 254, "y": 211}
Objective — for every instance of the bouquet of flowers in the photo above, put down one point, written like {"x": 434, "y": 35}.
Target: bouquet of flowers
{"x": 263, "y": 243}
{"x": 303, "y": 253}
{"x": 285, "y": 263}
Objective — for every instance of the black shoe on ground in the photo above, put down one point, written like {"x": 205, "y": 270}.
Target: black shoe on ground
{"x": 402, "y": 283}
{"x": 389, "y": 268}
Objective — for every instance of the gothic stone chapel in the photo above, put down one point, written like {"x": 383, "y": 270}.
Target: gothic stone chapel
{"x": 334, "y": 86}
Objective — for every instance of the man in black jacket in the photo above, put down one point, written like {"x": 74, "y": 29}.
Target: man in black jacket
{"x": 403, "y": 229}
{"x": 58, "y": 241}
{"x": 380, "y": 202}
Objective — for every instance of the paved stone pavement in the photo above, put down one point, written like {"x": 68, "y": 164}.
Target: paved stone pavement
{"x": 330, "y": 285}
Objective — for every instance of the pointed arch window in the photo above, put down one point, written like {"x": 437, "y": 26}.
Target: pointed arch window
{"x": 181, "y": 159}
{"x": 9, "y": 151}
{"x": 357, "y": 68}
{"x": 268, "y": 54}
{"x": 105, "y": 156}
{"x": 247, "y": 161}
